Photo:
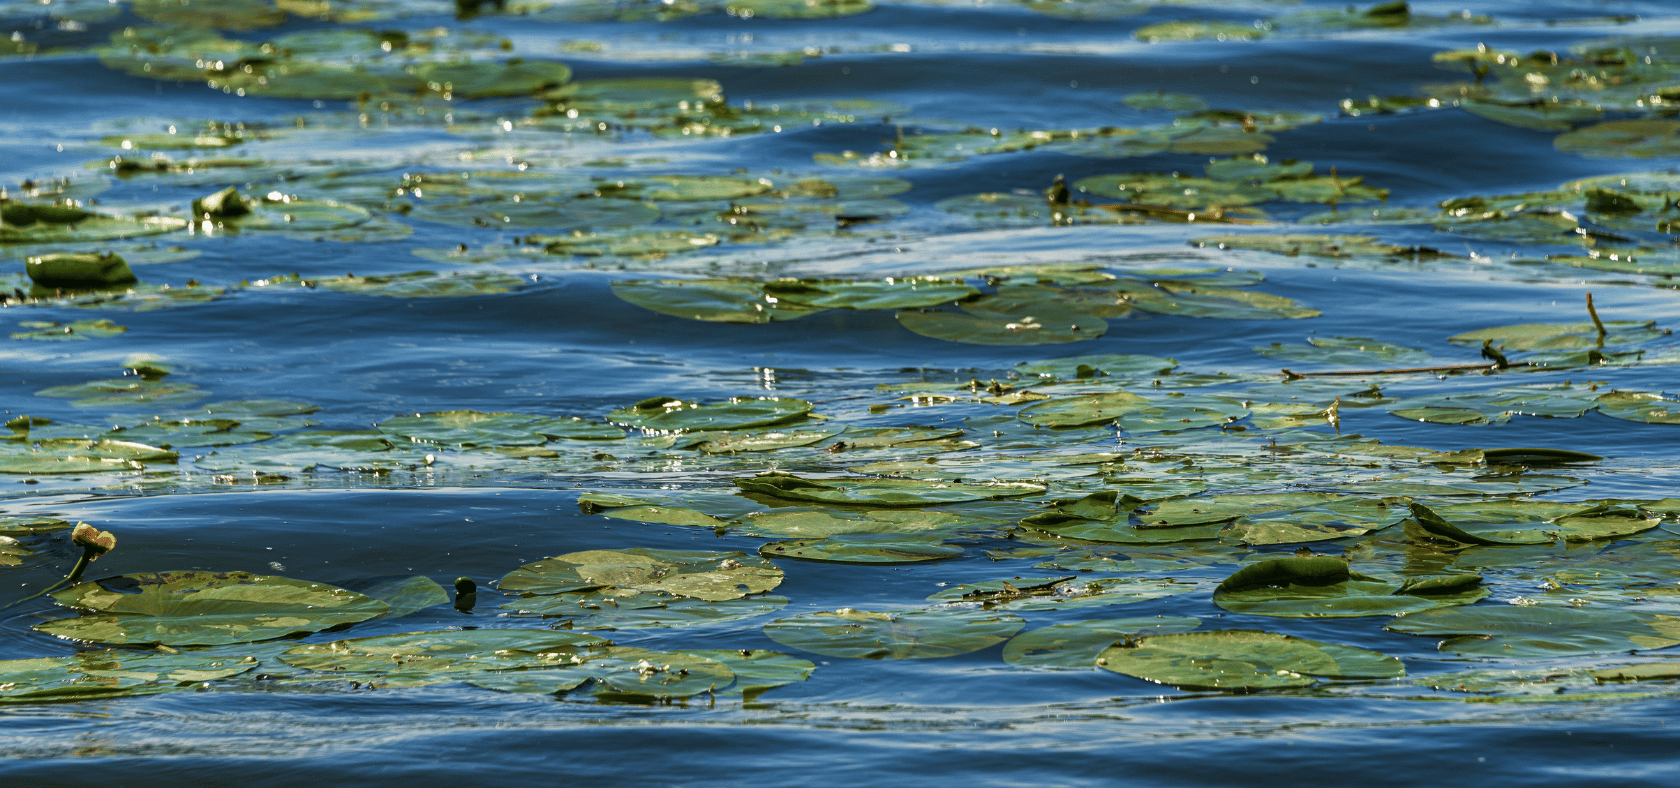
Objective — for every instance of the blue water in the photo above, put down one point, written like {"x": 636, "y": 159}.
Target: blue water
{"x": 563, "y": 344}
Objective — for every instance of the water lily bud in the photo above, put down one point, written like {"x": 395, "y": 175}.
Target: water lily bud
{"x": 92, "y": 540}
{"x": 226, "y": 202}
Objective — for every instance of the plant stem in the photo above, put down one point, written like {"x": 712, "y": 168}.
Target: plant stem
{"x": 1593, "y": 312}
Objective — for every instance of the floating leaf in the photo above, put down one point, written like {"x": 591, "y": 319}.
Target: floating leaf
{"x": 91, "y": 675}
{"x": 1343, "y": 351}
{"x": 714, "y": 300}
{"x": 424, "y": 284}
{"x": 894, "y": 634}
{"x": 618, "y": 608}
{"x": 404, "y": 595}
{"x": 1639, "y": 406}
{"x": 1082, "y": 367}
{"x": 667, "y": 413}
{"x": 711, "y": 576}
{"x": 759, "y": 670}
{"x": 864, "y": 548}
{"x": 618, "y": 672}
{"x": 878, "y": 492}
{"x": 1021, "y": 316}
{"x": 1642, "y": 139}
{"x": 442, "y": 656}
{"x": 1292, "y": 245}
{"x": 1197, "y": 31}
{"x": 198, "y": 608}
{"x": 1540, "y": 631}
{"x": 1078, "y": 644}
{"x": 1059, "y": 593}
{"x": 1243, "y": 659}
{"x": 890, "y": 293}
{"x": 801, "y": 523}
{"x": 1560, "y": 336}
{"x": 1083, "y": 410}
{"x": 1324, "y": 587}
{"x": 126, "y": 393}
{"x": 80, "y": 329}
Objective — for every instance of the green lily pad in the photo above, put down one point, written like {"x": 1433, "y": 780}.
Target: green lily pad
{"x": 1292, "y": 245}
{"x": 666, "y": 515}
{"x": 1224, "y": 508}
{"x": 1082, "y": 367}
{"x": 1641, "y": 139}
{"x": 620, "y": 608}
{"x": 617, "y": 672}
{"x": 1020, "y": 316}
{"x": 1197, "y": 31}
{"x": 769, "y": 440}
{"x": 479, "y": 79}
{"x": 47, "y": 464}
{"x": 196, "y": 608}
{"x": 1324, "y": 587}
{"x": 878, "y": 492}
{"x": 1344, "y": 351}
{"x": 864, "y": 548}
{"x": 667, "y": 413}
{"x": 467, "y": 428}
{"x": 797, "y": 9}
{"x": 91, "y": 675}
{"x": 1060, "y": 593}
{"x": 649, "y": 244}
{"x": 1639, "y": 406}
{"x": 711, "y": 576}
{"x": 223, "y": 14}
{"x": 757, "y": 671}
{"x": 126, "y": 393}
{"x": 405, "y": 595}
{"x": 424, "y": 284}
{"x": 1529, "y": 522}
{"x": 801, "y": 523}
{"x": 1175, "y": 191}
{"x": 1643, "y": 671}
{"x": 1540, "y": 631}
{"x": 1162, "y": 100}
{"x": 884, "y": 437}
{"x": 443, "y": 656}
{"x": 1077, "y": 645}
{"x": 1317, "y": 523}
{"x": 889, "y": 293}
{"x": 1083, "y": 410}
{"x": 714, "y": 300}
{"x": 1560, "y": 336}
{"x": 1243, "y": 659}
{"x": 894, "y": 634}
{"x": 51, "y": 331}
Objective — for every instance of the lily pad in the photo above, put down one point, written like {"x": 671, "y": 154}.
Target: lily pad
{"x": 864, "y": 548}
{"x": 878, "y": 492}
{"x": 1243, "y": 659}
{"x": 758, "y": 670}
{"x": 713, "y": 300}
{"x": 126, "y": 393}
{"x": 1560, "y": 336}
{"x": 51, "y": 331}
{"x": 424, "y": 284}
{"x": 711, "y": 576}
{"x": 667, "y": 413}
{"x": 1083, "y": 410}
{"x": 1641, "y": 139}
{"x": 467, "y": 428}
{"x": 1082, "y": 367}
{"x": 889, "y": 293}
{"x": 443, "y": 656}
{"x": 1344, "y": 351}
{"x": 894, "y": 634}
{"x": 1059, "y": 593}
{"x": 617, "y": 672}
{"x": 1077, "y": 645}
{"x": 196, "y": 608}
{"x": 1541, "y": 630}
{"x": 620, "y": 608}
{"x": 1639, "y": 406}
{"x": 1324, "y": 587}
{"x": 1022, "y": 316}
{"x": 91, "y": 675}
